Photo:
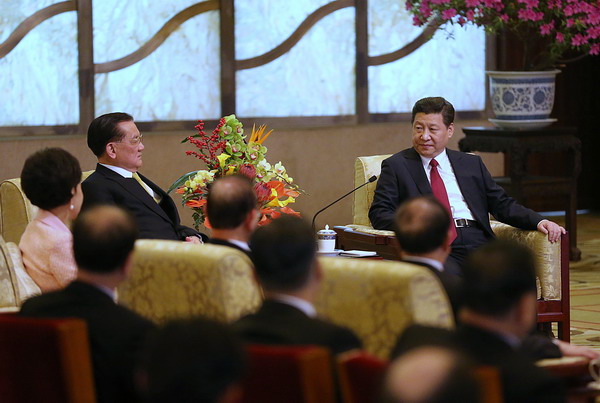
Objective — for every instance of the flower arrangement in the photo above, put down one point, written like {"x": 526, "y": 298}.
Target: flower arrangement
{"x": 225, "y": 152}
{"x": 546, "y": 28}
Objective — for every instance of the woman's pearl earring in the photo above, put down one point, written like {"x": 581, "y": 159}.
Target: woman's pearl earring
{"x": 71, "y": 207}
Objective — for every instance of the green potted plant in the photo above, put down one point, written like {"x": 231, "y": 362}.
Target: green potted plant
{"x": 547, "y": 29}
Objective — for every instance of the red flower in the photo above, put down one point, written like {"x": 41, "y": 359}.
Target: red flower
{"x": 248, "y": 170}
{"x": 263, "y": 192}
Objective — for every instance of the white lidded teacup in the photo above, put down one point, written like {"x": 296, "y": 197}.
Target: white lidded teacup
{"x": 326, "y": 240}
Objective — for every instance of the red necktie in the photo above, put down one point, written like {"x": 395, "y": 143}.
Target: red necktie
{"x": 439, "y": 191}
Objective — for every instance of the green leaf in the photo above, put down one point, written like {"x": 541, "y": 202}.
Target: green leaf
{"x": 181, "y": 181}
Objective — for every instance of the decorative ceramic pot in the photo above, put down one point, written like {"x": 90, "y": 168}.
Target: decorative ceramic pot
{"x": 522, "y": 99}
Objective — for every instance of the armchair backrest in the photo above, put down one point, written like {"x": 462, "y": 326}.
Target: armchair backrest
{"x": 172, "y": 279}
{"x": 360, "y": 376}
{"x": 16, "y": 211}
{"x": 364, "y": 168}
{"x": 377, "y": 299}
{"x": 15, "y": 284}
{"x": 45, "y": 360}
{"x": 291, "y": 374}
{"x": 8, "y": 293}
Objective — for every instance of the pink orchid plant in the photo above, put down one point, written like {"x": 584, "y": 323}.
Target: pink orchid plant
{"x": 547, "y": 28}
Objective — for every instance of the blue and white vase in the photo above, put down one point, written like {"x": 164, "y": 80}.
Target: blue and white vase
{"x": 522, "y": 99}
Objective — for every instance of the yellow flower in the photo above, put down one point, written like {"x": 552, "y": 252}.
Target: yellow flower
{"x": 230, "y": 170}
{"x": 222, "y": 158}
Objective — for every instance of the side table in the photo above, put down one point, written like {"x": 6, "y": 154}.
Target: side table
{"x": 518, "y": 145}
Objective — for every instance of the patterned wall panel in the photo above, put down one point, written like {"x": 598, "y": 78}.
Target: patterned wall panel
{"x": 38, "y": 78}
{"x": 178, "y": 81}
{"x": 450, "y": 67}
{"x": 315, "y": 78}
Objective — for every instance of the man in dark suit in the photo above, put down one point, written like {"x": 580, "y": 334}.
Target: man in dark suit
{"x": 116, "y": 141}
{"x": 284, "y": 256}
{"x": 103, "y": 240}
{"x": 232, "y": 211}
{"x": 422, "y": 231}
{"x": 498, "y": 313}
{"x": 460, "y": 181}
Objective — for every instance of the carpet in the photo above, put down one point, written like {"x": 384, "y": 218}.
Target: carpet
{"x": 585, "y": 295}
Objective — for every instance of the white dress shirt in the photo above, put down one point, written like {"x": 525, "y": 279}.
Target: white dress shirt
{"x": 457, "y": 201}
{"x": 431, "y": 262}
{"x": 297, "y": 303}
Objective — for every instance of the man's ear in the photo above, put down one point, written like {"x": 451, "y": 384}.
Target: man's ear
{"x": 110, "y": 150}
{"x": 251, "y": 221}
{"x": 128, "y": 265}
{"x": 450, "y": 130}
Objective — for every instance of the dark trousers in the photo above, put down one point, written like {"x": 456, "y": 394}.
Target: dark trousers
{"x": 467, "y": 240}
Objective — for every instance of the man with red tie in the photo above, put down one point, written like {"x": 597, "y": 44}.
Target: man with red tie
{"x": 460, "y": 181}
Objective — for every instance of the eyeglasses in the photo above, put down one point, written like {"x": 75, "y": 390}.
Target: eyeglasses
{"x": 134, "y": 141}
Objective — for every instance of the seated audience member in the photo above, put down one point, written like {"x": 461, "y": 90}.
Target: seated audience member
{"x": 232, "y": 211}
{"x": 422, "y": 230}
{"x": 51, "y": 180}
{"x": 117, "y": 143}
{"x": 498, "y": 313}
{"x": 284, "y": 256}
{"x": 103, "y": 240}
{"x": 422, "y": 227}
{"x": 190, "y": 361}
{"x": 431, "y": 374}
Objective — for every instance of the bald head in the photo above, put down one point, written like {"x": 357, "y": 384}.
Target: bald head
{"x": 230, "y": 199}
{"x": 103, "y": 238}
{"x": 421, "y": 225}
{"x": 430, "y": 374}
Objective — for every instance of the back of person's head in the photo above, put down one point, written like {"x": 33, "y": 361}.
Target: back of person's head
{"x": 104, "y": 129}
{"x": 191, "y": 361}
{"x": 229, "y": 201}
{"x": 496, "y": 276}
{"x": 283, "y": 253}
{"x": 430, "y": 374}
{"x": 421, "y": 225}
{"x": 434, "y": 105}
{"x": 103, "y": 238}
{"x": 49, "y": 177}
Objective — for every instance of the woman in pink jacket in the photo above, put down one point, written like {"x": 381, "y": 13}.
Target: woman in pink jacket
{"x": 51, "y": 180}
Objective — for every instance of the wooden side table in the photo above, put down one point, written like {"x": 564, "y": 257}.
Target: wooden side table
{"x": 518, "y": 145}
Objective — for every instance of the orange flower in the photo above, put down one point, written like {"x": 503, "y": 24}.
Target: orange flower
{"x": 195, "y": 203}
{"x": 290, "y": 211}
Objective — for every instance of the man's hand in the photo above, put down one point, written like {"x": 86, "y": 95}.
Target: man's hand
{"x": 570, "y": 350}
{"x": 193, "y": 239}
{"x": 552, "y": 229}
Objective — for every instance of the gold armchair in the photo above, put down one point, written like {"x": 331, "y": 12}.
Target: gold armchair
{"x": 377, "y": 299}
{"x": 552, "y": 259}
{"x": 172, "y": 279}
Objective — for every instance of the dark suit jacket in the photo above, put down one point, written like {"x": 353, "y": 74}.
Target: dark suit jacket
{"x": 155, "y": 221}
{"x": 452, "y": 285}
{"x": 224, "y": 242}
{"x": 402, "y": 177}
{"x": 282, "y": 324}
{"x": 115, "y": 333}
{"x": 522, "y": 381}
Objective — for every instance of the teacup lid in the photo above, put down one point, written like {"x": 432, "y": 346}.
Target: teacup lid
{"x": 326, "y": 231}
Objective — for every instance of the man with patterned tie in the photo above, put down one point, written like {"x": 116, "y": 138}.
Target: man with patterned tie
{"x": 116, "y": 141}
{"x": 460, "y": 181}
